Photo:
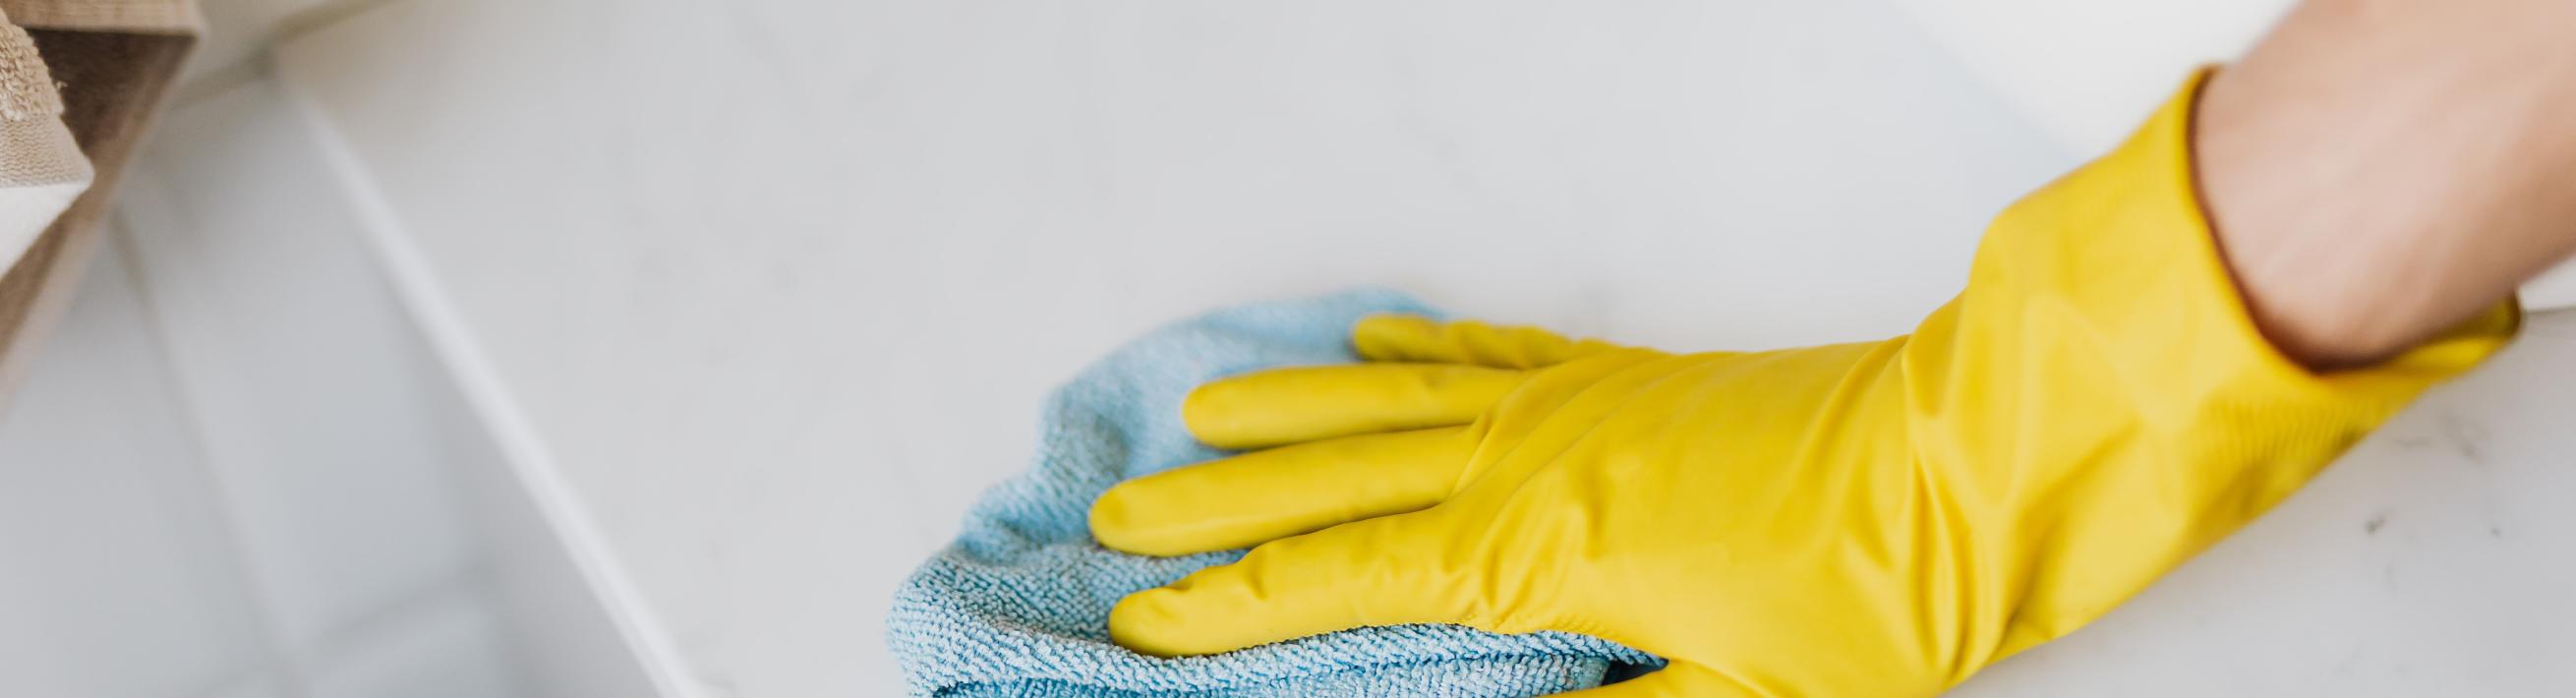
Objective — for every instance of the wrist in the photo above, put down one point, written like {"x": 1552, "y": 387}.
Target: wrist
{"x": 2375, "y": 173}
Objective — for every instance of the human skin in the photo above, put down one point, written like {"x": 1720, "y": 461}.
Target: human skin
{"x": 2379, "y": 170}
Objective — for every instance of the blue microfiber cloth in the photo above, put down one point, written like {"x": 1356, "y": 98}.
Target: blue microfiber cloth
{"x": 1019, "y": 605}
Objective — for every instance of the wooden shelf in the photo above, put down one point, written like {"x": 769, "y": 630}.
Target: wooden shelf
{"x": 114, "y": 60}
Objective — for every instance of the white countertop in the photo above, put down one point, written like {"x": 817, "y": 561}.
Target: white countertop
{"x": 780, "y": 285}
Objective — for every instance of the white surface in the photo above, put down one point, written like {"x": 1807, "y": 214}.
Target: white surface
{"x": 2555, "y": 289}
{"x": 25, "y": 212}
{"x": 453, "y": 652}
{"x": 395, "y": 544}
{"x": 118, "y": 582}
{"x": 237, "y": 473}
{"x": 308, "y": 394}
{"x": 587, "y": 629}
{"x": 256, "y": 687}
{"x": 779, "y": 285}
{"x": 2086, "y": 71}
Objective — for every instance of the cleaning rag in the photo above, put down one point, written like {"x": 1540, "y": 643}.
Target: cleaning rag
{"x": 1019, "y": 604}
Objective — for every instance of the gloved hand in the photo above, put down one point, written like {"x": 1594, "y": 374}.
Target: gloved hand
{"x": 1874, "y": 519}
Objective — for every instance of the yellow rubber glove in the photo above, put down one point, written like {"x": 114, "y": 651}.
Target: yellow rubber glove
{"x": 1876, "y": 519}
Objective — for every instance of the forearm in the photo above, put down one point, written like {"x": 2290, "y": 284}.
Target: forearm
{"x": 2377, "y": 171}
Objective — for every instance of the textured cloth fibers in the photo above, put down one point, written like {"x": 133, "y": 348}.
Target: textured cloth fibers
{"x": 1019, "y": 604}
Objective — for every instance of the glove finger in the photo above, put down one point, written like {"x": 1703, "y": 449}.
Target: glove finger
{"x": 1262, "y": 496}
{"x": 1414, "y": 338}
{"x": 1290, "y": 405}
{"x": 1371, "y": 572}
{"x": 1676, "y": 680}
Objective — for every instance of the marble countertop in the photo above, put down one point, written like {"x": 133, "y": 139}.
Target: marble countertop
{"x": 780, "y": 285}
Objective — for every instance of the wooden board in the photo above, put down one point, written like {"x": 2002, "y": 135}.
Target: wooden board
{"x": 112, "y": 82}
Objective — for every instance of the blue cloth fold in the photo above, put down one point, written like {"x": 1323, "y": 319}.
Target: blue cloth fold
{"x": 1019, "y": 604}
